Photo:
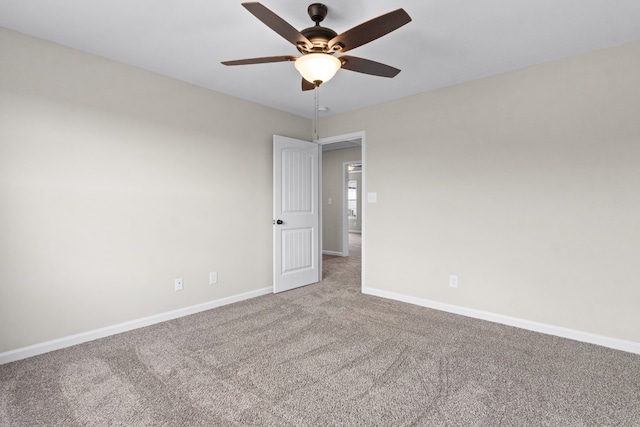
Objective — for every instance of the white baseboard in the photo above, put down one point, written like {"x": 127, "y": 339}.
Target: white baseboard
{"x": 36, "y": 349}
{"x": 614, "y": 343}
{"x": 45, "y": 347}
{"x": 332, "y": 253}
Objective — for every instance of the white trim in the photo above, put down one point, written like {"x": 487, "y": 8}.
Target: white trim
{"x": 320, "y": 220}
{"x": 363, "y": 205}
{"x": 614, "y": 343}
{"x": 45, "y": 347}
{"x": 333, "y": 253}
{"x": 341, "y": 138}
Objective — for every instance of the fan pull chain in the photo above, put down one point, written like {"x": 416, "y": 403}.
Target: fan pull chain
{"x": 316, "y": 92}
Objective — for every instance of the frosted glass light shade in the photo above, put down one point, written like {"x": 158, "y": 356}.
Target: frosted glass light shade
{"x": 317, "y": 67}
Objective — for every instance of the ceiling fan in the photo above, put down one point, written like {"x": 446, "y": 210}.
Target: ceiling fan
{"x": 318, "y": 44}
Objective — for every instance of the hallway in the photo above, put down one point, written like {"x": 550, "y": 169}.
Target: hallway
{"x": 346, "y": 271}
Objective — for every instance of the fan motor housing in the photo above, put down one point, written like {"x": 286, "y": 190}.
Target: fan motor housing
{"x": 319, "y": 36}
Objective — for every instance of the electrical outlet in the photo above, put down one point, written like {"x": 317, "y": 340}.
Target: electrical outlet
{"x": 178, "y": 284}
{"x": 453, "y": 281}
{"x": 213, "y": 277}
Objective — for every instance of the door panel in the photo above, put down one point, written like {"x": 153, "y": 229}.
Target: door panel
{"x": 297, "y": 250}
{"x": 296, "y": 213}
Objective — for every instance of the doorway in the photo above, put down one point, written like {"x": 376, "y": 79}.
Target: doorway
{"x": 342, "y": 155}
{"x": 352, "y": 218}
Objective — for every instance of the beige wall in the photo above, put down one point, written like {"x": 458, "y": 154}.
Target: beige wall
{"x": 113, "y": 182}
{"x": 525, "y": 185}
{"x": 332, "y": 188}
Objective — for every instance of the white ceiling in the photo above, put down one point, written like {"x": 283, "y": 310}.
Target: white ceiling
{"x": 448, "y": 41}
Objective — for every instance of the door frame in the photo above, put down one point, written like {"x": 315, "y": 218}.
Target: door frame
{"x": 341, "y": 138}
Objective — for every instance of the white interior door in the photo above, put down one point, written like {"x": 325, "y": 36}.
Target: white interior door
{"x": 296, "y": 252}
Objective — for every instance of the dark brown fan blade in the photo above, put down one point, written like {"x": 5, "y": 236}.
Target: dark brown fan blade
{"x": 263, "y": 60}
{"x": 306, "y": 85}
{"x": 370, "y": 30}
{"x": 367, "y": 66}
{"x": 277, "y": 24}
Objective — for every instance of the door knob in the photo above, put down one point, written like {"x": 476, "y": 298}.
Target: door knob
{"x": 279, "y": 222}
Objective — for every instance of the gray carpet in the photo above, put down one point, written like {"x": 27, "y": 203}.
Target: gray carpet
{"x": 324, "y": 355}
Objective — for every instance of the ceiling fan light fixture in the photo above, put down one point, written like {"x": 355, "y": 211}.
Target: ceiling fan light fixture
{"x": 317, "y": 67}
